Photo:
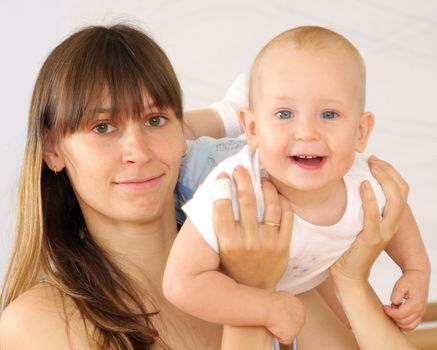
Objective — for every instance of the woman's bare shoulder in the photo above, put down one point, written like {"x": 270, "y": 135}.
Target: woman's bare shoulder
{"x": 37, "y": 320}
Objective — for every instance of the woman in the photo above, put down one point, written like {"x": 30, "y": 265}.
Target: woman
{"x": 96, "y": 217}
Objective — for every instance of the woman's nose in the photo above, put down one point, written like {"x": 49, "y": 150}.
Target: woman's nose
{"x": 135, "y": 147}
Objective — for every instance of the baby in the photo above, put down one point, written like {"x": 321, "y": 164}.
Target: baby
{"x": 306, "y": 129}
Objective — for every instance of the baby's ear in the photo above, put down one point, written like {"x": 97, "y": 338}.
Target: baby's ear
{"x": 247, "y": 120}
{"x": 365, "y": 128}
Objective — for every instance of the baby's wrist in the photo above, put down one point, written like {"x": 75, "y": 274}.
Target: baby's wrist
{"x": 420, "y": 263}
{"x": 276, "y": 305}
{"x": 424, "y": 270}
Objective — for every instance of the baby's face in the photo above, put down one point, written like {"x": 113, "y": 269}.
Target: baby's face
{"x": 308, "y": 115}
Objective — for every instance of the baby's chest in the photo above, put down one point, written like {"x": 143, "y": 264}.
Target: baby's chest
{"x": 315, "y": 246}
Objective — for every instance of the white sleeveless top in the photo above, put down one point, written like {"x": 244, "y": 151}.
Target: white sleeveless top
{"x": 313, "y": 248}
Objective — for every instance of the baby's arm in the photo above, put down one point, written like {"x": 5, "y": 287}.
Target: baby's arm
{"x": 221, "y": 119}
{"x": 192, "y": 282}
{"x": 410, "y": 293}
{"x": 203, "y": 122}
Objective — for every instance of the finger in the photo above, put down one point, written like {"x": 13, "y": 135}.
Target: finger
{"x": 272, "y": 209}
{"x": 394, "y": 174}
{"x": 286, "y": 227}
{"x": 395, "y": 202}
{"x": 411, "y": 326}
{"x": 223, "y": 216}
{"x": 371, "y": 213}
{"x": 407, "y": 322}
{"x": 398, "y": 294}
{"x": 246, "y": 203}
{"x": 402, "y": 313}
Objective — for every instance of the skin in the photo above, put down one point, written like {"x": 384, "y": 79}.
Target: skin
{"x": 350, "y": 273}
{"x": 186, "y": 277}
{"x": 310, "y": 102}
{"x": 123, "y": 174}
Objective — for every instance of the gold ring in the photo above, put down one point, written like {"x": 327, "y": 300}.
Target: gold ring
{"x": 272, "y": 224}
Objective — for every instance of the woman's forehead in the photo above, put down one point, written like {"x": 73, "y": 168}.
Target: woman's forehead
{"x": 115, "y": 104}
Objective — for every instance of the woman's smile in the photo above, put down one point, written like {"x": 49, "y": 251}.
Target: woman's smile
{"x": 135, "y": 184}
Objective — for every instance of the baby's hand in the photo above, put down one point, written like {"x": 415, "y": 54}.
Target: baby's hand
{"x": 409, "y": 299}
{"x": 286, "y": 317}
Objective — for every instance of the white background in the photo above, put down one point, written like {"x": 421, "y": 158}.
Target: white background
{"x": 210, "y": 42}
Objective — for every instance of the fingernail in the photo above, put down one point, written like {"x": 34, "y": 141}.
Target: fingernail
{"x": 373, "y": 157}
{"x": 222, "y": 175}
{"x": 375, "y": 167}
{"x": 238, "y": 168}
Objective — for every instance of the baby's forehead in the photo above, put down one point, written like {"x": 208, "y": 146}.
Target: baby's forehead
{"x": 285, "y": 70}
{"x": 293, "y": 57}
{"x": 281, "y": 52}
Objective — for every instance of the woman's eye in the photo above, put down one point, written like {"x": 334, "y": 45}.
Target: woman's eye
{"x": 329, "y": 115}
{"x": 284, "y": 115}
{"x": 156, "y": 121}
{"x": 103, "y": 128}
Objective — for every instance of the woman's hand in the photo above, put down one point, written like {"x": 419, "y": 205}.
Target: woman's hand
{"x": 371, "y": 327}
{"x": 256, "y": 254}
{"x": 356, "y": 262}
{"x": 252, "y": 253}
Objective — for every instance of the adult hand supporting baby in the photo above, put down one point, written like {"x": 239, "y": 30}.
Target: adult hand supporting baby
{"x": 256, "y": 254}
{"x": 357, "y": 261}
{"x": 371, "y": 327}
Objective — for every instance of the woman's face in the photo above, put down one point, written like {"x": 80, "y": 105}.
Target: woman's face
{"x": 124, "y": 171}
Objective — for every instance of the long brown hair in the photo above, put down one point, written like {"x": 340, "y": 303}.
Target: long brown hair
{"x": 50, "y": 237}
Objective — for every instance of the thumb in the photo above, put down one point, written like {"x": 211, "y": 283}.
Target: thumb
{"x": 392, "y": 311}
{"x": 399, "y": 293}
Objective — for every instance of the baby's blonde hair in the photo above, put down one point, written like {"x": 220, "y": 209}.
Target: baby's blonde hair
{"x": 308, "y": 38}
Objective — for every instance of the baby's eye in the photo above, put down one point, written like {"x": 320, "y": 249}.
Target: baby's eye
{"x": 156, "y": 120}
{"x": 329, "y": 115}
{"x": 103, "y": 128}
{"x": 284, "y": 114}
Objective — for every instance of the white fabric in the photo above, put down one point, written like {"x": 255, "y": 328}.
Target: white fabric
{"x": 228, "y": 113}
{"x": 236, "y": 97}
{"x": 313, "y": 248}
{"x": 238, "y": 92}
{"x": 275, "y": 345}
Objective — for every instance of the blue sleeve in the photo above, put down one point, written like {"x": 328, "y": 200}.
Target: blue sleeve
{"x": 202, "y": 156}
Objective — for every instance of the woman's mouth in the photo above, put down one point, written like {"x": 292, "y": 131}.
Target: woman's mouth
{"x": 139, "y": 183}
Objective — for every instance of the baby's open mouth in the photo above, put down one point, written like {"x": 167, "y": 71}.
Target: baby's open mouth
{"x": 308, "y": 160}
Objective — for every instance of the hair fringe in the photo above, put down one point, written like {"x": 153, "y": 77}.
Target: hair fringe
{"x": 47, "y": 241}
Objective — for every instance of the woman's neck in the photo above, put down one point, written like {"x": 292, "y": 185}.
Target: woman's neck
{"x": 139, "y": 249}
